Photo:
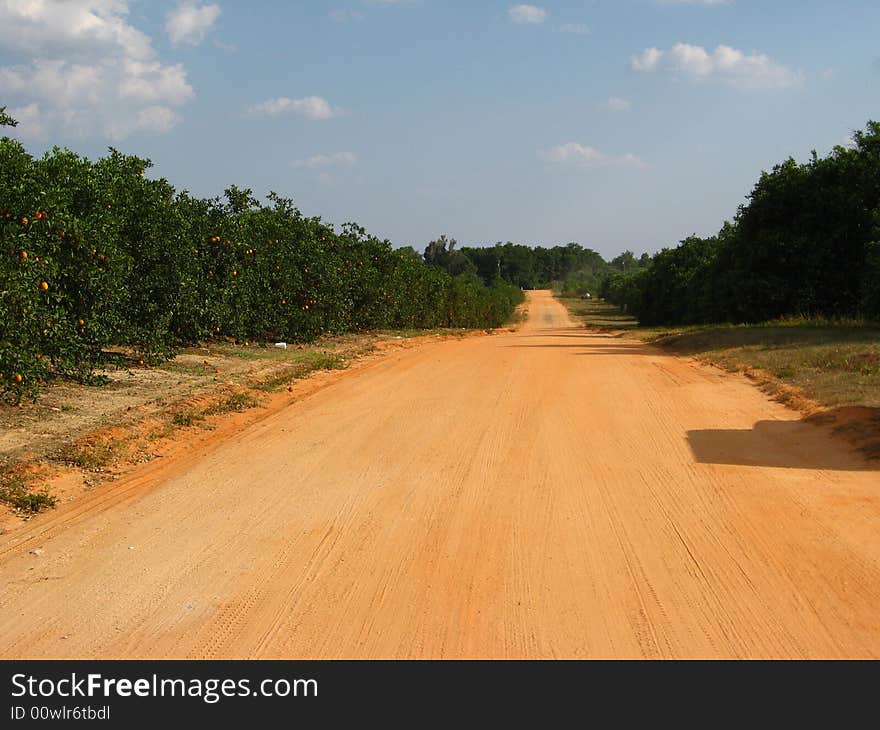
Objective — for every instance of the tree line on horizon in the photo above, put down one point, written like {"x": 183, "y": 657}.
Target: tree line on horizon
{"x": 806, "y": 243}
{"x": 571, "y": 269}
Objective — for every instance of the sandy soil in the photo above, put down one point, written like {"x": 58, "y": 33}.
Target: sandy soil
{"x": 66, "y": 411}
{"x": 542, "y": 493}
{"x": 77, "y": 437}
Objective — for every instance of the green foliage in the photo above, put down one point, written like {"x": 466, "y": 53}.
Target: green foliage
{"x": 673, "y": 287}
{"x": 235, "y": 403}
{"x": 871, "y": 283}
{"x": 5, "y": 119}
{"x": 442, "y": 253}
{"x": 188, "y": 417}
{"x": 570, "y": 268}
{"x": 18, "y": 494}
{"x": 805, "y": 244}
{"x": 626, "y": 290}
{"x": 95, "y": 255}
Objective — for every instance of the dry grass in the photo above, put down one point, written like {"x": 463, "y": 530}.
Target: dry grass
{"x": 834, "y": 366}
{"x": 834, "y": 363}
{"x": 234, "y": 403}
{"x": 19, "y": 494}
{"x": 91, "y": 455}
{"x": 301, "y": 365}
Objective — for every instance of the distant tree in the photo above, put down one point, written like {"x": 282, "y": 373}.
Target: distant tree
{"x": 442, "y": 254}
{"x": 625, "y": 289}
{"x": 673, "y": 289}
{"x": 437, "y": 251}
{"x": 625, "y": 262}
{"x": 568, "y": 268}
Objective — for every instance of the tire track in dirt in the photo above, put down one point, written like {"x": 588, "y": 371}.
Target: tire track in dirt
{"x": 540, "y": 493}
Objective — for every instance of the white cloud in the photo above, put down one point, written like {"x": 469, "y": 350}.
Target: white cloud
{"x": 525, "y": 14}
{"x": 64, "y": 83}
{"x": 156, "y": 119}
{"x": 71, "y": 29}
{"x": 724, "y": 65}
{"x": 311, "y": 107}
{"x": 648, "y": 61}
{"x": 586, "y": 156}
{"x": 316, "y": 162}
{"x": 78, "y": 67}
{"x": 190, "y": 22}
{"x": 696, "y": 2}
{"x": 616, "y": 104}
{"x": 576, "y": 28}
{"x": 152, "y": 82}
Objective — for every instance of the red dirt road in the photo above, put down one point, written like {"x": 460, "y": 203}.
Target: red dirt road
{"x": 541, "y": 493}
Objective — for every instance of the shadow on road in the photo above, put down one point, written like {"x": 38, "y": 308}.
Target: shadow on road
{"x": 781, "y": 444}
{"x": 588, "y": 343}
{"x": 581, "y": 336}
{"x": 594, "y": 349}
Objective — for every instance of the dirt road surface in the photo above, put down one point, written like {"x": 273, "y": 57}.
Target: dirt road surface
{"x": 540, "y": 493}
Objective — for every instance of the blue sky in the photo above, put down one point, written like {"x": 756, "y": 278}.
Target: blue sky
{"x": 614, "y": 123}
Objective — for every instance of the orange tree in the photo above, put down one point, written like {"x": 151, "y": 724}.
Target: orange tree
{"x": 99, "y": 262}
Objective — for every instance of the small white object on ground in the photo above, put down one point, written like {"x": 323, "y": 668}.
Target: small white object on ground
{"x": 281, "y": 345}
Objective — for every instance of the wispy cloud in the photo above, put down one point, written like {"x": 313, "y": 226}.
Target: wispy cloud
{"x": 190, "y": 22}
{"x": 310, "y": 107}
{"x": 318, "y": 162}
{"x": 725, "y": 65}
{"x": 527, "y": 14}
{"x": 586, "y": 156}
